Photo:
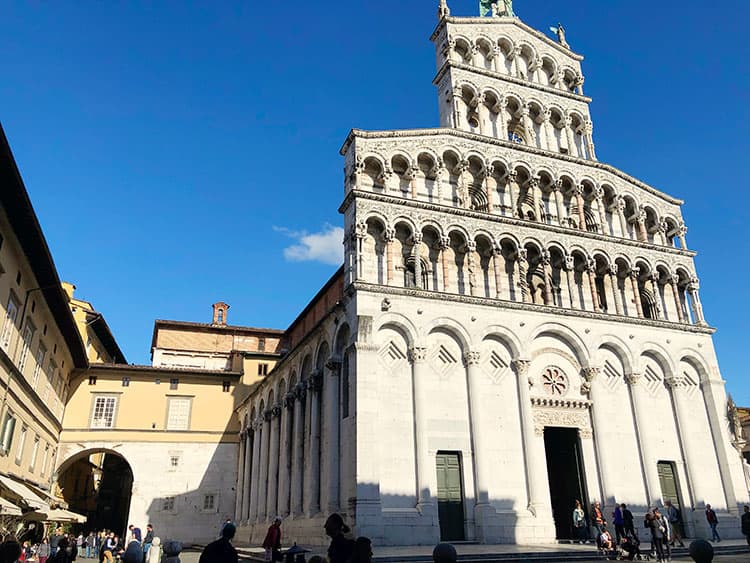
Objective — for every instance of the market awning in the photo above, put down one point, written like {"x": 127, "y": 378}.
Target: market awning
{"x": 7, "y": 508}
{"x": 55, "y": 515}
{"x": 20, "y": 490}
{"x": 52, "y": 501}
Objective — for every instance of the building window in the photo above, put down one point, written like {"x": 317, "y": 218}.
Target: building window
{"x": 103, "y": 415}
{"x": 178, "y": 413}
{"x": 173, "y": 384}
{"x": 175, "y": 458}
{"x": 92, "y": 380}
{"x": 9, "y": 426}
{"x": 209, "y": 503}
{"x": 262, "y": 369}
{"x": 126, "y": 382}
{"x": 28, "y": 335}
{"x": 167, "y": 504}
{"x": 261, "y": 344}
{"x": 34, "y": 454}
{"x": 21, "y": 444}
{"x": 18, "y": 278}
{"x": 11, "y": 314}
{"x": 41, "y": 352}
{"x": 45, "y": 459}
{"x": 225, "y": 386}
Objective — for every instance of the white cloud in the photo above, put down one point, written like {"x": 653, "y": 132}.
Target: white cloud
{"x": 325, "y": 246}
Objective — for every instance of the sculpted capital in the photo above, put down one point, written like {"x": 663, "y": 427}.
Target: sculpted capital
{"x": 417, "y": 354}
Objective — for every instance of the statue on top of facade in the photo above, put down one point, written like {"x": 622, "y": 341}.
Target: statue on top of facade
{"x": 560, "y": 32}
{"x": 500, "y": 8}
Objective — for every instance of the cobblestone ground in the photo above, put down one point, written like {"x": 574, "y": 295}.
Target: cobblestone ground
{"x": 191, "y": 557}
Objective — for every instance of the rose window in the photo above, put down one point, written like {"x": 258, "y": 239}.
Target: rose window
{"x": 554, "y": 382}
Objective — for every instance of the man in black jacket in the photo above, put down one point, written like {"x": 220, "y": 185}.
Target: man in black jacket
{"x": 221, "y": 550}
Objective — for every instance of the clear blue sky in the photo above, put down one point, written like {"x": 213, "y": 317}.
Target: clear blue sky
{"x": 174, "y": 151}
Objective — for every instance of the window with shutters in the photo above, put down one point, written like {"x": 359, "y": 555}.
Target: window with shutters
{"x": 28, "y": 335}
{"x": 11, "y": 314}
{"x": 209, "y": 503}
{"x": 34, "y": 454}
{"x": 45, "y": 458}
{"x": 9, "y": 426}
{"x": 41, "y": 352}
{"x": 21, "y": 444}
{"x": 178, "y": 413}
{"x": 103, "y": 412}
{"x": 168, "y": 504}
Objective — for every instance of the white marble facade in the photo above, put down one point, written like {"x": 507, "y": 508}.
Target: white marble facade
{"x": 500, "y": 281}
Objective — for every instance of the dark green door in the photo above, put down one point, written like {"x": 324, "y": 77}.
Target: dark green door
{"x": 450, "y": 497}
{"x": 669, "y": 486}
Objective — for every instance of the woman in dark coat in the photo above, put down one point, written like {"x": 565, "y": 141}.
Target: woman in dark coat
{"x": 658, "y": 533}
{"x": 341, "y": 548}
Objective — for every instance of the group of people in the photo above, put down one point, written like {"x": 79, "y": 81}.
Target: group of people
{"x": 664, "y": 527}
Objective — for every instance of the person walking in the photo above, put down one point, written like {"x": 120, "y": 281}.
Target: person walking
{"x": 597, "y": 518}
{"x": 221, "y": 550}
{"x": 675, "y": 522}
{"x": 657, "y": 535}
{"x": 341, "y": 548}
{"x": 745, "y": 523}
{"x": 664, "y": 523}
{"x": 713, "y": 521}
{"x": 272, "y": 541}
{"x": 579, "y": 522}
{"x": 627, "y": 521}
{"x": 619, "y": 522}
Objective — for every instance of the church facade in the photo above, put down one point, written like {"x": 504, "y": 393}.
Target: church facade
{"x": 517, "y": 326}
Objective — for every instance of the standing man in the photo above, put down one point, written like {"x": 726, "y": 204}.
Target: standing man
{"x": 619, "y": 522}
{"x": 746, "y": 523}
{"x": 148, "y": 540}
{"x": 713, "y": 521}
{"x": 627, "y": 519}
{"x": 222, "y": 550}
{"x": 675, "y": 522}
{"x": 54, "y": 542}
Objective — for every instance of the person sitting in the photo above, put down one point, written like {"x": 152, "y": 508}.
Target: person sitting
{"x": 606, "y": 542}
{"x": 631, "y": 547}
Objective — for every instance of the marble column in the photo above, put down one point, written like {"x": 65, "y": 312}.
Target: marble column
{"x": 549, "y": 132}
{"x": 313, "y": 486}
{"x": 250, "y": 439}
{"x": 572, "y": 149}
{"x": 715, "y": 400}
{"x": 471, "y": 248}
{"x": 512, "y": 196}
{"x": 569, "y": 268}
{"x": 331, "y": 387}
{"x": 695, "y": 301}
{"x": 298, "y": 450}
{"x": 257, "y": 439}
{"x": 589, "y": 140}
{"x": 654, "y": 282}
{"x": 445, "y": 244}
{"x": 674, "y": 281}
{"x": 620, "y": 208}
{"x": 417, "y": 241}
{"x": 603, "y": 227}
{"x": 273, "y": 462}
{"x": 581, "y": 212}
{"x": 681, "y": 232}
{"x": 533, "y": 454}
{"x": 497, "y": 254}
{"x": 641, "y": 416}
{"x": 591, "y": 274}
{"x": 615, "y": 288}
{"x": 389, "y": 236}
{"x": 422, "y": 398}
{"x": 546, "y": 265}
{"x": 240, "y": 489}
{"x": 263, "y": 472}
{"x": 683, "y": 408}
{"x": 561, "y": 216}
{"x": 523, "y": 268}
{"x": 479, "y": 439}
{"x": 490, "y": 187}
{"x": 596, "y": 389}
{"x": 533, "y": 187}
{"x": 285, "y": 459}
{"x": 636, "y": 292}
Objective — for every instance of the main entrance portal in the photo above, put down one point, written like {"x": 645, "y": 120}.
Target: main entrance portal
{"x": 450, "y": 497}
{"x": 566, "y": 477}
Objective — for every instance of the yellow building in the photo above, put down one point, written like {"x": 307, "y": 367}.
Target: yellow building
{"x": 39, "y": 350}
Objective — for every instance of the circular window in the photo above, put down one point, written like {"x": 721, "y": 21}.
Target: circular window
{"x": 554, "y": 382}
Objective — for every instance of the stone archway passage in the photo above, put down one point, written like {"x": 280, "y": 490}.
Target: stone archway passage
{"x": 98, "y": 484}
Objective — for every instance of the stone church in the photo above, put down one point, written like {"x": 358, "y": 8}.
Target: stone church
{"x": 517, "y": 326}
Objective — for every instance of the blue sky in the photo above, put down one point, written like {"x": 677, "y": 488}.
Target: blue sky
{"x": 180, "y": 153}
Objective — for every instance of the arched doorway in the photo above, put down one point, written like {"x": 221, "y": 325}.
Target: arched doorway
{"x": 99, "y": 484}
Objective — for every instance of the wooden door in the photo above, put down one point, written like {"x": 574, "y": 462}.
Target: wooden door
{"x": 450, "y": 496}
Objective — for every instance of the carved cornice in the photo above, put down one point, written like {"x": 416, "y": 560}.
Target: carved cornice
{"x": 456, "y": 133}
{"x": 518, "y": 306}
{"x": 560, "y": 403}
{"x": 511, "y": 221}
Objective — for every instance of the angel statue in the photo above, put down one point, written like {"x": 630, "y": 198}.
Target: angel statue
{"x": 509, "y": 8}
{"x": 560, "y": 32}
{"x": 489, "y": 7}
